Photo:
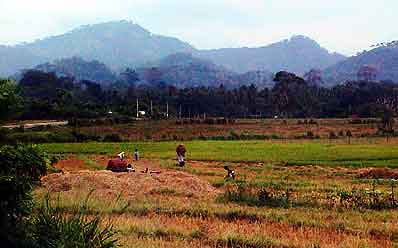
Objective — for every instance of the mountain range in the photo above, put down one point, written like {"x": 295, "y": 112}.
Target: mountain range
{"x": 185, "y": 70}
{"x": 108, "y": 48}
{"x": 125, "y": 44}
{"x": 298, "y": 54}
{"x": 382, "y": 60}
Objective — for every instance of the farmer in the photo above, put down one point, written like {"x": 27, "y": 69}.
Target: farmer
{"x": 121, "y": 155}
{"x": 180, "y": 150}
{"x": 230, "y": 173}
{"x": 130, "y": 168}
{"x": 136, "y": 155}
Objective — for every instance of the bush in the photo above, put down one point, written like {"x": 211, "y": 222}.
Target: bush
{"x": 332, "y": 135}
{"x": 30, "y": 137}
{"x": 52, "y": 228}
{"x": 310, "y": 135}
{"x": 5, "y": 136}
{"x": 113, "y": 138}
{"x": 245, "y": 194}
{"x": 83, "y": 137}
{"x": 20, "y": 169}
{"x": 313, "y": 122}
{"x": 234, "y": 135}
{"x": 61, "y": 137}
{"x": 42, "y": 137}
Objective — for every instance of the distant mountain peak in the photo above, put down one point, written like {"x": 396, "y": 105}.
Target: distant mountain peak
{"x": 303, "y": 41}
{"x": 298, "y": 54}
{"x": 122, "y": 25}
{"x": 118, "y": 44}
{"x": 300, "y": 37}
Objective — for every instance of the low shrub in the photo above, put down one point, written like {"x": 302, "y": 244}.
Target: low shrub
{"x": 42, "y": 137}
{"x": 84, "y": 137}
{"x": 52, "y": 228}
{"x": 234, "y": 135}
{"x": 5, "y": 136}
{"x": 20, "y": 170}
{"x": 112, "y": 138}
{"x": 242, "y": 193}
{"x": 365, "y": 198}
{"x": 332, "y": 135}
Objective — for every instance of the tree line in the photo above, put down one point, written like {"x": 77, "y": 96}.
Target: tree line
{"x": 44, "y": 95}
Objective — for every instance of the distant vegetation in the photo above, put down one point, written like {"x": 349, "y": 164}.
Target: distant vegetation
{"x": 48, "y": 96}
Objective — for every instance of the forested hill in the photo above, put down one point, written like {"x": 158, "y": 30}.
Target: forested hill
{"x": 117, "y": 44}
{"x": 184, "y": 70}
{"x": 180, "y": 70}
{"x": 298, "y": 54}
{"x": 80, "y": 69}
{"x": 380, "y": 63}
{"x": 122, "y": 44}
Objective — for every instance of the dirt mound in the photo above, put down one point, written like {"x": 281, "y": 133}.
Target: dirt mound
{"x": 382, "y": 173}
{"x": 129, "y": 184}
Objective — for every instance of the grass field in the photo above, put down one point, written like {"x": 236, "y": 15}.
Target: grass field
{"x": 290, "y": 152}
{"x": 288, "y": 192}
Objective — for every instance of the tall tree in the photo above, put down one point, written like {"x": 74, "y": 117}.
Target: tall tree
{"x": 9, "y": 99}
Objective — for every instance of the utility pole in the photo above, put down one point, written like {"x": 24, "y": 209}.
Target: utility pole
{"x": 137, "y": 107}
{"x": 151, "y": 110}
{"x": 167, "y": 110}
{"x": 180, "y": 112}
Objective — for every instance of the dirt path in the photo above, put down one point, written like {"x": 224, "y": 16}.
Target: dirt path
{"x": 37, "y": 124}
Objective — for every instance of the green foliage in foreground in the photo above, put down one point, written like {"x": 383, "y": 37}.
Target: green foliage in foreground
{"x": 289, "y": 153}
{"x": 52, "y": 228}
{"x": 21, "y": 168}
{"x": 9, "y": 100}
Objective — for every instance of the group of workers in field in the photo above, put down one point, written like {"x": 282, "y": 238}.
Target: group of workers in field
{"x": 180, "y": 153}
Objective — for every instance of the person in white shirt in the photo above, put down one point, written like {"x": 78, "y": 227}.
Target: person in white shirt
{"x": 136, "y": 155}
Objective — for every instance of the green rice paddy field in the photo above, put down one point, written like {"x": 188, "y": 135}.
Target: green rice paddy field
{"x": 289, "y": 152}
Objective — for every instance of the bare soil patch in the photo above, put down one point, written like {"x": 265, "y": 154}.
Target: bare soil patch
{"x": 71, "y": 164}
{"x": 378, "y": 173}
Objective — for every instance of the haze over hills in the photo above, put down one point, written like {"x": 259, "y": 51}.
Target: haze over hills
{"x": 117, "y": 44}
{"x": 180, "y": 70}
{"x": 383, "y": 60}
{"x": 184, "y": 70}
{"x": 125, "y": 44}
{"x": 80, "y": 69}
{"x": 298, "y": 54}
{"x": 14, "y": 59}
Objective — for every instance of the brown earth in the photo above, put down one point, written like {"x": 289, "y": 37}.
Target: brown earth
{"x": 169, "y": 130}
{"x": 71, "y": 164}
{"x": 378, "y": 173}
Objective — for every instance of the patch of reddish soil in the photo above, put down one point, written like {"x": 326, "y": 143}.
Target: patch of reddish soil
{"x": 71, "y": 164}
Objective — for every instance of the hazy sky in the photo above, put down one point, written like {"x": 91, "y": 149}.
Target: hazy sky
{"x": 345, "y": 26}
